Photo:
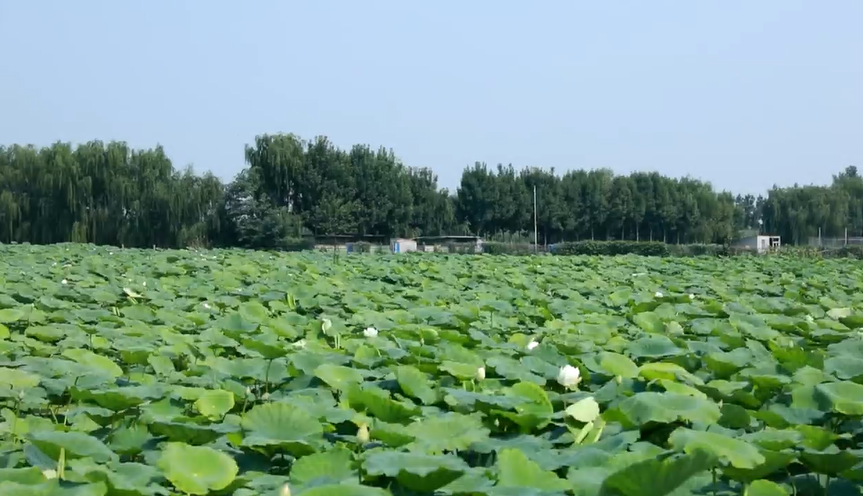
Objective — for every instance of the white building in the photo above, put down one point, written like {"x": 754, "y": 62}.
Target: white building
{"x": 403, "y": 245}
{"x": 760, "y": 244}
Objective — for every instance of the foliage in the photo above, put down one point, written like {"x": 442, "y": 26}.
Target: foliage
{"x": 241, "y": 372}
{"x": 497, "y": 248}
{"x": 110, "y": 194}
{"x": 105, "y": 194}
{"x": 594, "y": 248}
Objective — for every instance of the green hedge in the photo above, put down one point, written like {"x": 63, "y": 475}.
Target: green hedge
{"x": 362, "y": 247}
{"x": 646, "y": 248}
{"x": 611, "y": 248}
{"x": 296, "y": 244}
{"x": 849, "y": 251}
{"x": 498, "y": 248}
{"x": 464, "y": 248}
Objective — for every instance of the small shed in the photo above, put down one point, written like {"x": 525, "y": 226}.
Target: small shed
{"x": 403, "y": 245}
{"x": 457, "y": 244}
{"x": 759, "y": 243}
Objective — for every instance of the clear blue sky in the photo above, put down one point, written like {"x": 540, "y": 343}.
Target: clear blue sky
{"x": 742, "y": 93}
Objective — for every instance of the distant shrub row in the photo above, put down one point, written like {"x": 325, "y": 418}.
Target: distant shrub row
{"x": 295, "y": 244}
{"x": 611, "y": 248}
{"x": 603, "y": 248}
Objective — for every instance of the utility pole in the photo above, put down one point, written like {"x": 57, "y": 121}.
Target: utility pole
{"x": 535, "y": 237}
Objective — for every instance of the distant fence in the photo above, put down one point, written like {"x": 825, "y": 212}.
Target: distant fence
{"x": 835, "y": 242}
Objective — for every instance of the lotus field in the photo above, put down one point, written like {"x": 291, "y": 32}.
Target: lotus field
{"x": 144, "y": 373}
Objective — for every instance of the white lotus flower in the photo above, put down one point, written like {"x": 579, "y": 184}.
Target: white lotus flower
{"x": 300, "y": 344}
{"x": 691, "y": 296}
{"x": 145, "y": 284}
{"x": 285, "y": 490}
{"x": 658, "y": 294}
{"x": 480, "y": 373}
{"x": 568, "y": 376}
{"x": 64, "y": 281}
{"x": 370, "y": 332}
{"x": 326, "y": 325}
{"x": 533, "y": 344}
{"x": 363, "y": 434}
{"x": 206, "y": 306}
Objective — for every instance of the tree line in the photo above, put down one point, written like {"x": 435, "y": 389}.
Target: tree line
{"x": 109, "y": 193}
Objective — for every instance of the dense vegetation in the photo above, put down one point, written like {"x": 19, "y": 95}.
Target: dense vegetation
{"x": 111, "y": 194}
{"x": 244, "y": 373}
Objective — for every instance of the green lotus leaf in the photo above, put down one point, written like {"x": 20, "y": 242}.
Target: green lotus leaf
{"x": 513, "y": 370}
{"x": 130, "y": 440}
{"x": 331, "y": 467}
{"x": 52, "y": 488}
{"x": 844, "y": 367}
{"x": 9, "y": 315}
{"x": 516, "y": 470}
{"x": 28, "y": 476}
{"x": 415, "y": 471}
{"x": 843, "y": 397}
{"x": 123, "y": 478}
{"x": 737, "y": 453}
{"x": 646, "y": 407}
{"x": 668, "y": 371}
{"x": 774, "y": 439}
{"x": 649, "y": 322}
{"x": 378, "y": 403}
{"x": 196, "y": 469}
{"x": 120, "y": 398}
{"x": 415, "y": 384}
{"x": 618, "y": 365}
{"x": 269, "y": 350}
{"x": 214, "y": 404}
{"x": 393, "y": 435}
{"x": 337, "y": 376}
{"x": 832, "y": 461}
{"x": 774, "y": 461}
{"x": 90, "y": 359}
{"x": 584, "y": 410}
{"x": 653, "y": 346}
{"x": 344, "y": 490}
{"x": 75, "y": 444}
{"x": 451, "y": 432}
{"x": 18, "y": 379}
{"x": 764, "y": 487}
{"x": 254, "y": 311}
{"x": 162, "y": 365}
{"x": 661, "y": 476}
{"x": 463, "y": 371}
{"x": 282, "y": 425}
{"x": 533, "y": 409}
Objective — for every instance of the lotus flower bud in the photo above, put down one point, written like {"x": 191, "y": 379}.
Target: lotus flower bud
{"x": 568, "y": 376}
{"x": 363, "y": 434}
{"x": 480, "y": 373}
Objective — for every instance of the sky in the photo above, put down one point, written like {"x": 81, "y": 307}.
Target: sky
{"x": 744, "y": 94}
